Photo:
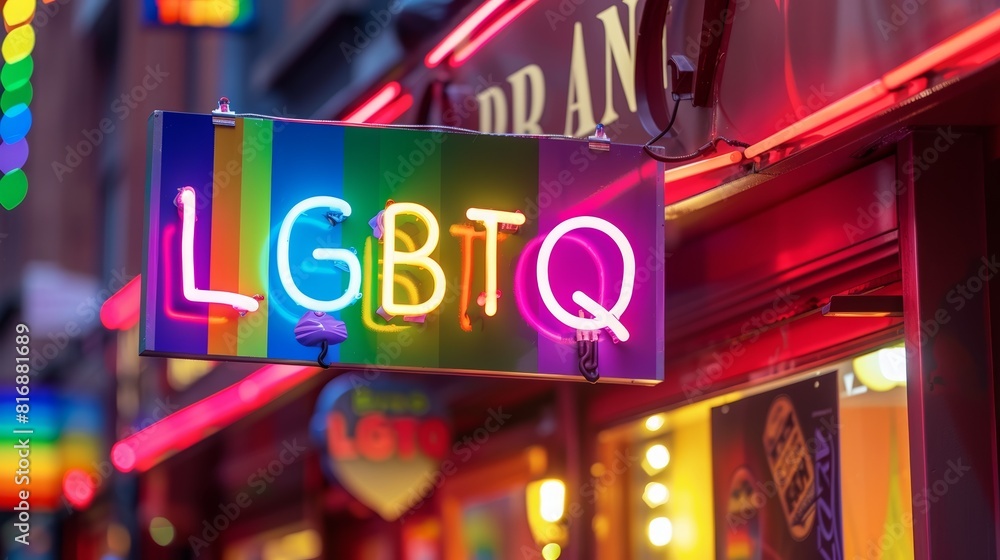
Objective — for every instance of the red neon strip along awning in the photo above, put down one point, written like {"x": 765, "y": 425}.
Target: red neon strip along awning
{"x": 121, "y": 311}
{"x": 865, "y": 101}
{"x": 182, "y": 429}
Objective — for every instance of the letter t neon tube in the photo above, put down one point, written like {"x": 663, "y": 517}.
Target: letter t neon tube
{"x": 491, "y": 219}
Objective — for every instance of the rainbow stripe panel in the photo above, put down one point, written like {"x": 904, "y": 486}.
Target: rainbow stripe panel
{"x": 15, "y": 76}
{"x": 65, "y": 437}
{"x": 199, "y": 13}
{"x": 244, "y": 181}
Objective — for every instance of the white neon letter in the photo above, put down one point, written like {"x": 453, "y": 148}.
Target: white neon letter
{"x": 491, "y": 219}
{"x": 186, "y": 202}
{"x": 420, "y": 257}
{"x": 321, "y": 254}
{"x": 602, "y": 317}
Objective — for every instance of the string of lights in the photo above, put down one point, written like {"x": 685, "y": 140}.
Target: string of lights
{"x": 15, "y": 122}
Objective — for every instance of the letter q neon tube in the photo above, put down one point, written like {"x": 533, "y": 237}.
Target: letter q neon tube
{"x": 491, "y": 219}
{"x": 421, "y": 257}
{"x": 603, "y": 318}
{"x": 353, "y": 291}
{"x": 186, "y": 202}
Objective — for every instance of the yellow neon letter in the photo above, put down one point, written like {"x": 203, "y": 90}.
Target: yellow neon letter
{"x": 420, "y": 257}
{"x": 491, "y": 218}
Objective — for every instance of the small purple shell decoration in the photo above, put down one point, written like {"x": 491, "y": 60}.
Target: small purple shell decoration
{"x": 376, "y": 224}
{"x": 316, "y": 327}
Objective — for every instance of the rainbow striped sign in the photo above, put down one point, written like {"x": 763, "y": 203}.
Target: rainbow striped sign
{"x": 199, "y": 13}
{"x": 384, "y": 248}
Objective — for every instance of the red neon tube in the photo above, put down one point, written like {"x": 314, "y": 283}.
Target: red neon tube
{"x": 933, "y": 58}
{"x": 981, "y": 31}
{"x": 494, "y": 29}
{"x": 375, "y": 103}
{"x": 191, "y": 424}
{"x": 703, "y": 166}
{"x": 843, "y": 106}
{"x": 121, "y": 311}
{"x": 460, "y": 33}
{"x": 393, "y": 110}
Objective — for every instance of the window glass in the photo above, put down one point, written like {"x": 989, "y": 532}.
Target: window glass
{"x": 657, "y": 479}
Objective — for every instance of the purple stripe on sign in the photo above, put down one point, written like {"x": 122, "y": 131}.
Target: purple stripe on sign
{"x": 188, "y": 159}
{"x": 572, "y": 268}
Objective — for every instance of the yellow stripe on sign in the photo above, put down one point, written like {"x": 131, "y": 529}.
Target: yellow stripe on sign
{"x": 17, "y": 12}
{"x": 224, "y": 249}
{"x": 18, "y": 44}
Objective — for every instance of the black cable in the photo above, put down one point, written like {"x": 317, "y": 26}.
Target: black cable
{"x": 736, "y": 143}
{"x": 324, "y": 348}
{"x": 708, "y": 147}
{"x": 673, "y": 116}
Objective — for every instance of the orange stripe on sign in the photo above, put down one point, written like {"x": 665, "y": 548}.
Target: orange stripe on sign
{"x": 227, "y": 179}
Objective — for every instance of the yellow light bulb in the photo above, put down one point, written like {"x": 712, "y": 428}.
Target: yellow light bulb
{"x": 551, "y": 551}
{"x": 161, "y": 530}
{"x": 660, "y": 531}
{"x": 17, "y": 12}
{"x": 553, "y": 500}
{"x": 655, "y": 494}
{"x": 657, "y": 456}
{"x": 882, "y": 369}
{"x": 18, "y": 44}
{"x": 654, "y": 422}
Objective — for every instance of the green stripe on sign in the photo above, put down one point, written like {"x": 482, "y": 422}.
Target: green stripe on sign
{"x": 255, "y": 226}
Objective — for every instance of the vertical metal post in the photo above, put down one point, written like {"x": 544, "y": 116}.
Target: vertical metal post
{"x": 993, "y": 245}
{"x": 568, "y": 407}
{"x": 948, "y": 275}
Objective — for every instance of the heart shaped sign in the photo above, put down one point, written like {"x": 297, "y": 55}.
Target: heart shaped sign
{"x": 384, "y": 440}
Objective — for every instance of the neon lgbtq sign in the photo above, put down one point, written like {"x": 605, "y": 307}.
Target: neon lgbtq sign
{"x": 603, "y": 318}
{"x": 392, "y": 248}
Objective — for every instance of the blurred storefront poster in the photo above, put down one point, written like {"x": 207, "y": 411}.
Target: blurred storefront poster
{"x": 775, "y": 474}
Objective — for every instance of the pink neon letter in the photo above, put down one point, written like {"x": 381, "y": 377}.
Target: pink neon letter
{"x": 185, "y": 201}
